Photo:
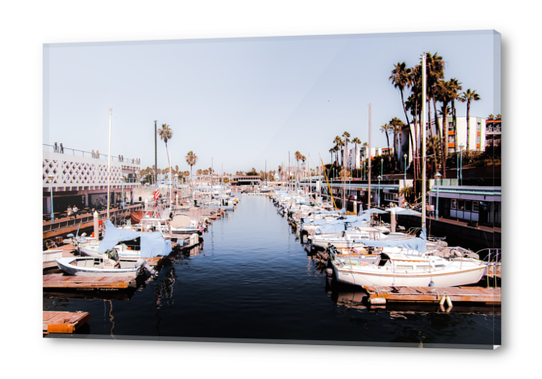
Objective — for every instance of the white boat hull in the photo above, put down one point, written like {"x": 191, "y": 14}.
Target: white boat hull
{"x": 455, "y": 274}
{"x": 88, "y": 266}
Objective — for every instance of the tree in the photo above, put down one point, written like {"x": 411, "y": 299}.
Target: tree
{"x": 402, "y": 78}
{"x": 356, "y": 141}
{"x": 346, "y": 136}
{"x": 386, "y": 129}
{"x": 191, "y": 159}
{"x": 467, "y": 97}
{"x": 396, "y": 125}
{"x": 338, "y": 144}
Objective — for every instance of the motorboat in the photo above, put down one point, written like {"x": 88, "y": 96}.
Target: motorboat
{"x": 151, "y": 243}
{"x": 92, "y": 266}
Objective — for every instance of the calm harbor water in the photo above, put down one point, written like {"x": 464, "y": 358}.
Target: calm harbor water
{"x": 252, "y": 280}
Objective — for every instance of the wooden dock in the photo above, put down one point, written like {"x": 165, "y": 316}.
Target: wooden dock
{"x": 63, "y": 322}
{"x": 438, "y": 295}
{"x": 56, "y": 281}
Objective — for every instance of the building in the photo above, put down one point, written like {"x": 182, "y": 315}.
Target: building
{"x": 493, "y": 133}
{"x": 80, "y": 178}
{"x": 476, "y": 137}
{"x": 475, "y": 204}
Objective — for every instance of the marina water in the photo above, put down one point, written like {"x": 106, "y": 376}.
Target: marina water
{"x": 253, "y": 281}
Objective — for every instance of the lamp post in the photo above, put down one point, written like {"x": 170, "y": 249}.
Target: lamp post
{"x": 461, "y": 147}
{"x": 122, "y": 187}
{"x": 437, "y": 177}
{"x": 176, "y": 187}
{"x": 381, "y": 166}
{"x": 405, "y": 156}
{"x": 51, "y": 177}
{"x": 379, "y": 177}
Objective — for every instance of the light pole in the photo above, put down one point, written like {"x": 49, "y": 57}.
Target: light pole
{"x": 437, "y": 177}
{"x": 381, "y": 166}
{"x": 379, "y": 177}
{"x": 176, "y": 187}
{"x": 461, "y": 147}
{"x": 405, "y": 156}
{"x": 51, "y": 177}
{"x": 122, "y": 187}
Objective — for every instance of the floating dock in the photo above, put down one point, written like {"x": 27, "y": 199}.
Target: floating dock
{"x": 63, "y": 322}
{"x": 438, "y": 295}
{"x": 103, "y": 282}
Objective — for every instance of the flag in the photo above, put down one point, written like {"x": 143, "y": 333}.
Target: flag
{"x": 156, "y": 194}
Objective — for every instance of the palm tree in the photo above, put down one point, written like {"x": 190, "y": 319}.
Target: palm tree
{"x": 385, "y": 129}
{"x": 346, "y": 136}
{"x": 396, "y": 125}
{"x": 356, "y": 141}
{"x": 338, "y": 144}
{"x": 191, "y": 159}
{"x": 454, "y": 87}
{"x": 165, "y": 134}
{"x": 402, "y": 77}
{"x": 467, "y": 97}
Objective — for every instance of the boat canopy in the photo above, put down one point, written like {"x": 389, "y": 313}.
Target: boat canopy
{"x": 152, "y": 243}
{"x": 418, "y": 244}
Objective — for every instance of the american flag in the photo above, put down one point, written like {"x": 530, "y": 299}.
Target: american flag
{"x": 156, "y": 194}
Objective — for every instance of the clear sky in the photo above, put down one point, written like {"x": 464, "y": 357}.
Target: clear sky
{"x": 239, "y": 102}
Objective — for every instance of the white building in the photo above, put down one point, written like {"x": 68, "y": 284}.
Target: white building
{"x": 476, "y": 135}
{"x": 81, "y": 178}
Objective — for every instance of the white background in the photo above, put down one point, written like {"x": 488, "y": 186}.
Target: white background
{"x": 26, "y": 25}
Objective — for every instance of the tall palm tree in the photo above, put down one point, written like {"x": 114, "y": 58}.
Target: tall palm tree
{"x": 346, "y": 136}
{"x": 467, "y": 97}
{"x": 165, "y": 134}
{"x": 386, "y": 129}
{"x": 396, "y": 125}
{"x": 297, "y": 156}
{"x": 338, "y": 145}
{"x": 402, "y": 78}
{"x": 191, "y": 159}
{"x": 356, "y": 141}
{"x": 455, "y": 87}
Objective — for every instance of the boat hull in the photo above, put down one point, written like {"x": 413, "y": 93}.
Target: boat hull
{"x": 95, "y": 266}
{"x": 387, "y": 276}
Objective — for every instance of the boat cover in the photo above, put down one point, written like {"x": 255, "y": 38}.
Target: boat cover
{"x": 152, "y": 243}
{"x": 418, "y": 244}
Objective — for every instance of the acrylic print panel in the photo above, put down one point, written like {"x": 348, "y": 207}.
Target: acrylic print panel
{"x": 207, "y": 159}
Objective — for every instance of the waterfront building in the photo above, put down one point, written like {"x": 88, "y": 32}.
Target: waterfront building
{"x": 476, "y": 138}
{"x": 245, "y": 180}
{"x": 474, "y": 204}
{"x": 80, "y": 178}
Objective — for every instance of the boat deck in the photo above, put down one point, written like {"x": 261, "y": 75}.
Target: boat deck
{"x": 63, "y": 322}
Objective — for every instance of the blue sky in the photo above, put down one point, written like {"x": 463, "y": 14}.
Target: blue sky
{"x": 239, "y": 102}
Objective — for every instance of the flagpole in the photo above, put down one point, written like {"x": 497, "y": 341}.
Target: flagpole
{"x": 109, "y": 166}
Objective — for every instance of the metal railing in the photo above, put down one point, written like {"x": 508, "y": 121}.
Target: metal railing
{"x": 56, "y": 148}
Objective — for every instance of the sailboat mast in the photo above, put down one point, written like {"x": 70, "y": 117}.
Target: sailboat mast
{"x": 369, "y": 190}
{"x": 424, "y": 174}
{"x": 109, "y": 166}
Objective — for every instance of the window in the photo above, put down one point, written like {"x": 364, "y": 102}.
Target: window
{"x": 475, "y": 206}
{"x": 454, "y": 204}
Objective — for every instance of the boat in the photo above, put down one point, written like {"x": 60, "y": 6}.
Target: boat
{"x": 92, "y": 266}
{"x": 406, "y": 263}
{"x": 151, "y": 243}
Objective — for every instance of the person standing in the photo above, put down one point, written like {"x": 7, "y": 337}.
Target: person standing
{"x": 74, "y": 210}
{"x": 69, "y": 211}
